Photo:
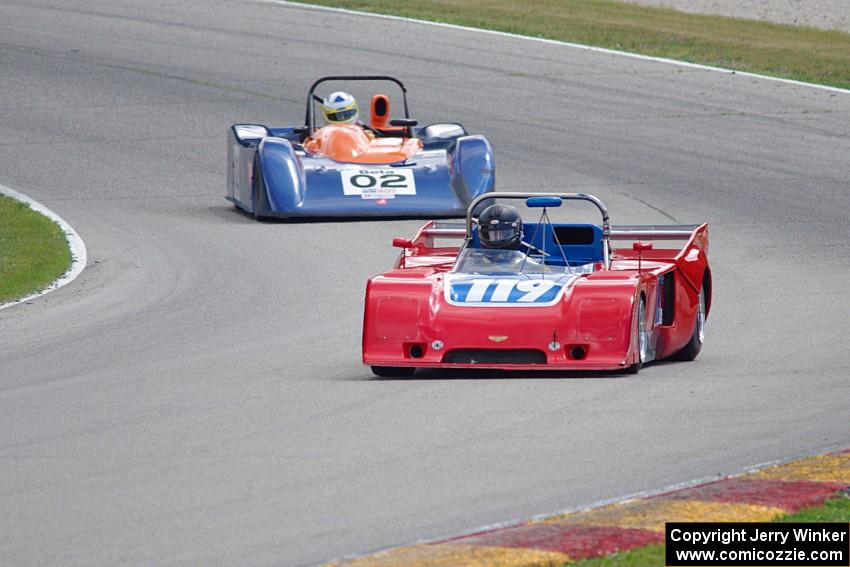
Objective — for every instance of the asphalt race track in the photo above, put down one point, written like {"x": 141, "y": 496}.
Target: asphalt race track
{"x": 196, "y": 396}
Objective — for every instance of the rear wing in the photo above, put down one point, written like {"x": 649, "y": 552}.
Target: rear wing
{"x": 693, "y": 235}
{"x": 429, "y": 232}
{"x": 439, "y": 229}
{"x": 452, "y": 230}
{"x": 653, "y": 231}
{"x": 691, "y": 257}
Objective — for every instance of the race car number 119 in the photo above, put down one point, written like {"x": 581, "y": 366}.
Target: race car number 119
{"x": 378, "y": 183}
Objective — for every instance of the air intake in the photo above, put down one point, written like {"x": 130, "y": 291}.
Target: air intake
{"x": 495, "y": 356}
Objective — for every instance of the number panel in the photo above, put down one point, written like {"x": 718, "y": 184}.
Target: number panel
{"x": 372, "y": 183}
{"x": 478, "y": 291}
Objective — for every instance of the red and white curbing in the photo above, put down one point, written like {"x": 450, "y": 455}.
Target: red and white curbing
{"x": 759, "y": 495}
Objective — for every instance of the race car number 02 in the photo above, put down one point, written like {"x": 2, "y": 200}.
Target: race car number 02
{"x": 378, "y": 183}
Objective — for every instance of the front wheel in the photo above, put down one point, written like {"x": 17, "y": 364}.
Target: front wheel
{"x": 393, "y": 371}
{"x": 691, "y": 350}
{"x": 643, "y": 339}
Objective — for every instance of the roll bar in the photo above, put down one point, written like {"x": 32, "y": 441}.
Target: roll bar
{"x": 606, "y": 223}
{"x": 310, "y": 118}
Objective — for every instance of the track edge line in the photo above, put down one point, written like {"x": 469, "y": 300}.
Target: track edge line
{"x": 582, "y": 46}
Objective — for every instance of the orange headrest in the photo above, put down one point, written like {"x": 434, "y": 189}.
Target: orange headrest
{"x": 380, "y": 111}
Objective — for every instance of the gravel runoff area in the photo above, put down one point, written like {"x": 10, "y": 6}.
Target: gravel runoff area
{"x": 826, "y": 14}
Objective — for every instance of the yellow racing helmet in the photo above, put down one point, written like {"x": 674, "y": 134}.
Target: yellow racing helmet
{"x": 340, "y": 108}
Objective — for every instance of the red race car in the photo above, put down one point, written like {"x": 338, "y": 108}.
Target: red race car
{"x": 542, "y": 295}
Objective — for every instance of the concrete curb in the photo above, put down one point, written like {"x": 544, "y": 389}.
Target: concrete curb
{"x": 78, "y": 247}
{"x": 755, "y": 496}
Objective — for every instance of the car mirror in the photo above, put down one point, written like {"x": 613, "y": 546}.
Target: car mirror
{"x": 642, "y": 246}
{"x": 402, "y": 243}
{"x": 404, "y": 122}
{"x": 444, "y": 131}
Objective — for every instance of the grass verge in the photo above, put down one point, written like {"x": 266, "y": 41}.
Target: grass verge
{"x": 800, "y": 53}
{"x": 34, "y": 251}
{"x": 833, "y": 510}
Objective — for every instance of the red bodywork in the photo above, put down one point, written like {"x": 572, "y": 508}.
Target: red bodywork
{"x": 594, "y": 324}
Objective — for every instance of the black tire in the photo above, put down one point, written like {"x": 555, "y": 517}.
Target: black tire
{"x": 643, "y": 338}
{"x": 694, "y": 346}
{"x": 393, "y": 371}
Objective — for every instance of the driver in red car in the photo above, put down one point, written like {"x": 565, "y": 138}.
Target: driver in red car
{"x": 500, "y": 234}
{"x": 500, "y": 226}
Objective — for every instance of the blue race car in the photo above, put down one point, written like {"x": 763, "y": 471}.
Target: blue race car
{"x": 348, "y": 169}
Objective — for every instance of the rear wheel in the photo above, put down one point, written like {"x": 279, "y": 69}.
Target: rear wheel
{"x": 643, "y": 338}
{"x": 393, "y": 371}
{"x": 693, "y": 347}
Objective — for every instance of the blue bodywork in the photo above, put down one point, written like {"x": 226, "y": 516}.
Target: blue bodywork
{"x": 270, "y": 175}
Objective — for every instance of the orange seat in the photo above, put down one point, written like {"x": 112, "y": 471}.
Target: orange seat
{"x": 351, "y": 144}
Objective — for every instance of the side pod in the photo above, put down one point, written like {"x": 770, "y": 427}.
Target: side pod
{"x": 279, "y": 178}
{"x": 242, "y": 142}
{"x": 473, "y": 167}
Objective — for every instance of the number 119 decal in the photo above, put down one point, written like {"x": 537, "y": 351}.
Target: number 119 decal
{"x": 506, "y": 292}
{"x": 378, "y": 183}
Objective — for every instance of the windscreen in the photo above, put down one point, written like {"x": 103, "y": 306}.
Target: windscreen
{"x": 484, "y": 261}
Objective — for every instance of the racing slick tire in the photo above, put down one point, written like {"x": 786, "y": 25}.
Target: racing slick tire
{"x": 691, "y": 350}
{"x": 393, "y": 371}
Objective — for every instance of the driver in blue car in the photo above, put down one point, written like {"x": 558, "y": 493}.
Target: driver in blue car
{"x": 340, "y": 108}
{"x": 343, "y": 135}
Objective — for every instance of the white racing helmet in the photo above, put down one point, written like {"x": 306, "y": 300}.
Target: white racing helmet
{"x": 340, "y": 108}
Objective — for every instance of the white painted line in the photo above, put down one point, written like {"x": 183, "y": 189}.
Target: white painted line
{"x": 78, "y": 247}
{"x": 555, "y": 42}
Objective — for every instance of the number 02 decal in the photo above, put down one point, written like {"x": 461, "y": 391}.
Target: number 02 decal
{"x": 377, "y": 183}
